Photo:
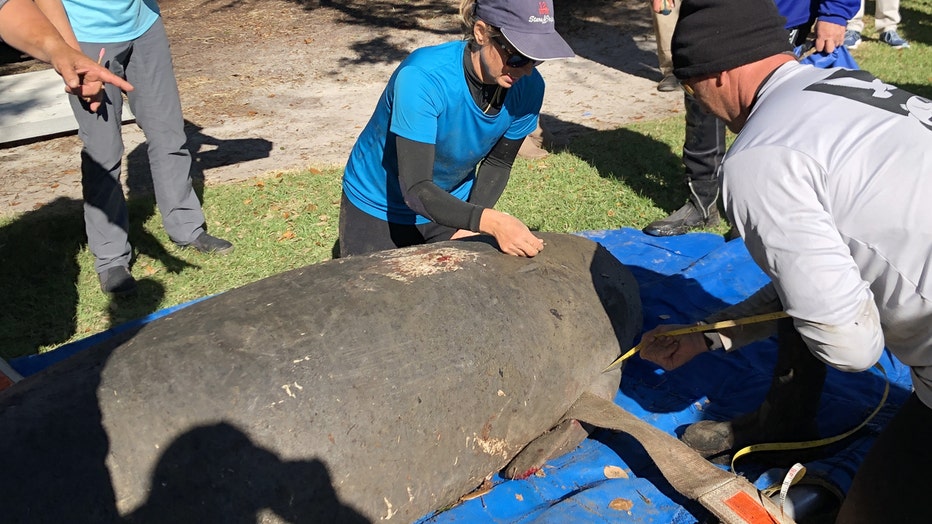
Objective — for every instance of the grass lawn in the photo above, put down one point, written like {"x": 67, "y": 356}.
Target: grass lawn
{"x": 621, "y": 178}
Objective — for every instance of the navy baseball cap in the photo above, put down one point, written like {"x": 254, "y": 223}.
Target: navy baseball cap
{"x": 528, "y": 25}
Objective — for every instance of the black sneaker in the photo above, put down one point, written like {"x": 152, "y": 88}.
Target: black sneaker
{"x": 117, "y": 281}
{"x": 682, "y": 221}
{"x": 210, "y": 244}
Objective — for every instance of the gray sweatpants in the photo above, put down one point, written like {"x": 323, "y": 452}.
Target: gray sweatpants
{"x": 146, "y": 63}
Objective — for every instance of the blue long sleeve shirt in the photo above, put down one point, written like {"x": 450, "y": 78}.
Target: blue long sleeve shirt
{"x": 799, "y": 12}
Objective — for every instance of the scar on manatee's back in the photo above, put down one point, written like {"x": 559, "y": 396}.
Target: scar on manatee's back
{"x": 406, "y": 267}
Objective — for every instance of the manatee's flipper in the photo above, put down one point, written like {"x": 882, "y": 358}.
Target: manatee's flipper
{"x": 564, "y": 437}
{"x": 559, "y": 440}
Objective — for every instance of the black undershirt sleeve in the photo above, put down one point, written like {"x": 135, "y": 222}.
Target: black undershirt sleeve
{"x": 494, "y": 172}
{"x": 415, "y": 174}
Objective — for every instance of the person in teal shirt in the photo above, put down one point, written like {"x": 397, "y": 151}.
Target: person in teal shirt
{"x": 24, "y": 26}
{"x": 437, "y": 153}
{"x": 130, "y": 40}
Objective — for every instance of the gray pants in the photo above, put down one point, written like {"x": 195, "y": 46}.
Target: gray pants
{"x": 146, "y": 63}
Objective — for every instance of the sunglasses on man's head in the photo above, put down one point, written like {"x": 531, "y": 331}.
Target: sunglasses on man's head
{"x": 686, "y": 87}
{"x": 514, "y": 59}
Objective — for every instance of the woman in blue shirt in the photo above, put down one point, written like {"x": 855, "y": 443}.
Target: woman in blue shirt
{"x": 437, "y": 153}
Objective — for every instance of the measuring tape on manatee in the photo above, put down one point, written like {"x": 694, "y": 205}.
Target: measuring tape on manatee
{"x": 700, "y": 328}
{"x": 771, "y": 446}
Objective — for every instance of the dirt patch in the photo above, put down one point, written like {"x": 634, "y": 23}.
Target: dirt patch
{"x": 273, "y": 85}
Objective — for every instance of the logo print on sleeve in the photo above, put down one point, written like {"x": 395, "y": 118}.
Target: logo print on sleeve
{"x": 863, "y": 87}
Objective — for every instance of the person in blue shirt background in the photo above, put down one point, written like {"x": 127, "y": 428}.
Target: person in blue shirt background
{"x": 24, "y": 26}
{"x": 131, "y": 37}
{"x": 412, "y": 175}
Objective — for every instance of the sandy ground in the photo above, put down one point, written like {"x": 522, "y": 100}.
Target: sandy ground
{"x": 274, "y": 85}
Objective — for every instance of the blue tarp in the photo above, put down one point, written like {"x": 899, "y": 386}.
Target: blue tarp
{"x": 682, "y": 279}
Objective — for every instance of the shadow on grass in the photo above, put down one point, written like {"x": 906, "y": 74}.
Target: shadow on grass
{"x": 39, "y": 252}
{"x": 646, "y": 165}
{"x": 206, "y": 152}
{"x": 914, "y": 24}
{"x": 39, "y": 255}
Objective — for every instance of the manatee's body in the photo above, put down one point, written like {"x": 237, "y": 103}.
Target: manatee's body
{"x": 361, "y": 389}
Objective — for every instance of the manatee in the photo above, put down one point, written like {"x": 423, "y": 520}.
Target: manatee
{"x": 365, "y": 389}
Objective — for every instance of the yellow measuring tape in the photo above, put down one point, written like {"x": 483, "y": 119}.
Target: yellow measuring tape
{"x": 773, "y": 446}
{"x": 700, "y": 328}
{"x": 789, "y": 446}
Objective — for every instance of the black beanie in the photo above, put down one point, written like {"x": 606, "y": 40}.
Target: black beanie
{"x": 712, "y": 36}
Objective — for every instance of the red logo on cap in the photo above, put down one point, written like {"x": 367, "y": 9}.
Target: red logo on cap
{"x": 542, "y": 8}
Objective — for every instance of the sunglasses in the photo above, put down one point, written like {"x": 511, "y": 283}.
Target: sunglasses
{"x": 513, "y": 59}
{"x": 686, "y": 87}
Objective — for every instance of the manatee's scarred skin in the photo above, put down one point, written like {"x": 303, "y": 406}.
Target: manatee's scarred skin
{"x": 363, "y": 389}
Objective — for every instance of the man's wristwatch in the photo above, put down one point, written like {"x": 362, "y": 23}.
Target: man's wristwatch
{"x": 713, "y": 341}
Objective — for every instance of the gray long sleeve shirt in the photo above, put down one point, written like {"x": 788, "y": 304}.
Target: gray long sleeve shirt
{"x": 830, "y": 184}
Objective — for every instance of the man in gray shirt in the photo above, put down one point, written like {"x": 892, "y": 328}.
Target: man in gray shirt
{"x": 838, "y": 219}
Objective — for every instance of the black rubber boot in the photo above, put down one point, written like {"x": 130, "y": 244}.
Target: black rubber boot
{"x": 788, "y": 413}
{"x": 697, "y": 212}
{"x": 702, "y": 153}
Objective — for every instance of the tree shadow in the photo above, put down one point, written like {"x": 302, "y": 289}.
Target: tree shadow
{"x": 363, "y": 17}
{"x": 582, "y": 24}
{"x": 375, "y": 51}
{"x": 609, "y": 33}
{"x": 382, "y": 14}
